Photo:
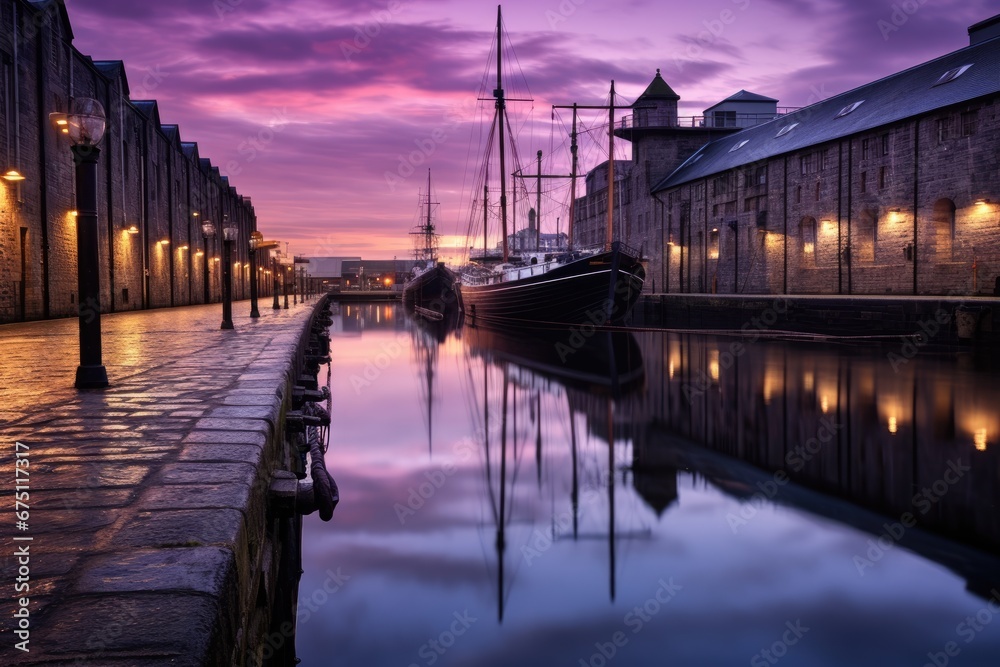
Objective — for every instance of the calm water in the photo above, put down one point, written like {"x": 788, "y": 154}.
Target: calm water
{"x": 654, "y": 499}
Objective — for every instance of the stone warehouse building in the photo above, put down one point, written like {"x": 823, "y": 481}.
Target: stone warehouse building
{"x": 893, "y": 187}
{"x": 155, "y": 190}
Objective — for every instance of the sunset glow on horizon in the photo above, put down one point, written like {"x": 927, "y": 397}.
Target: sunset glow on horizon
{"x": 328, "y": 115}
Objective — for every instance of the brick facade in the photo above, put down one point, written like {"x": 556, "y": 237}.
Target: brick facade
{"x": 910, "y": 206}
{"x": 149, "y": 181}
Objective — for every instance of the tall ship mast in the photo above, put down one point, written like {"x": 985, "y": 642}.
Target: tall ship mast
{"x": 559, "y": 287}
{"x": 431, "y": 289}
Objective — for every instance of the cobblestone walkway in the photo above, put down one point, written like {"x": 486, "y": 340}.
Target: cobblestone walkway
{"x": 137, "y": 490}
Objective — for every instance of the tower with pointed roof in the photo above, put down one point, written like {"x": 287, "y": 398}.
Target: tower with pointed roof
{"x": 662, "y": 140}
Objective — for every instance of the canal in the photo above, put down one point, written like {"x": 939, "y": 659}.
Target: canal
{"x": 577, "y": 498}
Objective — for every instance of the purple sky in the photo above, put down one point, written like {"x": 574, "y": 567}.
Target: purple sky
{"x": 307, "y": 114}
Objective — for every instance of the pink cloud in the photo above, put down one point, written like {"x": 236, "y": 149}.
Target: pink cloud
{"x": 341, "y": 92}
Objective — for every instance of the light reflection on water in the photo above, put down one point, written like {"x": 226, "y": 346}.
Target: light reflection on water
{"x": 456, "y": 541}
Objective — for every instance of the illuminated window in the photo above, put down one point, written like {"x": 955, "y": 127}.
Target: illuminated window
{"x": 713, "y": 244}
{"x": 944, "y": 229}
{"x": 865, "y": 233}
{"x": 808, "y": 236}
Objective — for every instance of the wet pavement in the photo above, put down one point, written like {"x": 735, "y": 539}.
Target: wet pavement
{"x": 137, "y": 493}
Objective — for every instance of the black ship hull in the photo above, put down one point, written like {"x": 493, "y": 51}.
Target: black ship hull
{"x": 595, "y": 289}
{"x": 435, "y": 289}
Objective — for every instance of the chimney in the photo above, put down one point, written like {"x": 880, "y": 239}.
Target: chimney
{"x": 984, "y": 30}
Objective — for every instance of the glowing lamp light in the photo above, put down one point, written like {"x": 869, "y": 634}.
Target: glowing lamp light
{"x": 892, "y": 425}
{"x": 132, "y": 229}
{"x": 73, "y": 214}
{"x": 13, "y": 175}
{"x": 980, "y": 202}
{"x": 809, "y": 247}
{"x": 713, "y": 365}
{"x": 183, "y": 247}
{"x": 199, "y": 253}
{"x": 979, "y": 439}
{"x": 164, "y": 241}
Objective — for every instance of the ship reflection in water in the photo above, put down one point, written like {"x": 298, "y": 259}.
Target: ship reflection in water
{"x": 585, "y": 498}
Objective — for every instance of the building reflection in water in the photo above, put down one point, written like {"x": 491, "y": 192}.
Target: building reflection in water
{"x": 892, "y": 437}
{"x": 570, "y": 476}
{"x": 881, "y": 436}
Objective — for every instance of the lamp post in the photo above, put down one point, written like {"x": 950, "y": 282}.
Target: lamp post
{"x": 207, "y": 232}
{"x": 230, "y": 232}
{"x": 284, "y": 278}
{"x": 274, "y": 275}
{"x": 255, "y": 239}
{"x": 86, "y": 123}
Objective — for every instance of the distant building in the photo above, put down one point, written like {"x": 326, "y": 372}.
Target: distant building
{"x": 376, "y": 274}
{"x": 326, "y": 273}
{"x": 744, "y": 109}
{"x": 529, "y": 240}
{"x": 893, "y": 187}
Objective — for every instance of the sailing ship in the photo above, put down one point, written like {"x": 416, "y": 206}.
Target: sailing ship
{"x": 431, "y": 289}
{"x": 575, "y": 286}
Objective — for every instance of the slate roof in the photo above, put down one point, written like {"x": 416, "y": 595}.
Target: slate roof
{"x": 894, "y": 98}
{"x": 149, "y": 108}
{"x": 112, "y": 70}
{"x": 43, "y": 5}
{"x": 658, "y": 89}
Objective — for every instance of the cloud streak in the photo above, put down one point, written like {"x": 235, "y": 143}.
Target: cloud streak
{"x": 360, "y": 83}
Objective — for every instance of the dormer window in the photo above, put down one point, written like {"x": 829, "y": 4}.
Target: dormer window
{"x": 951, "y": 75}
{"x": 849, "y": 108}
{"x": 739, "y": 145}
{"x": 786, "y": 129}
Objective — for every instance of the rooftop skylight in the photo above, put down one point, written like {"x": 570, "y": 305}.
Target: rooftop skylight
{"x": 849, "y": 108}
{"x": 952, "y": 74}
{"x": 738, "y": 145}
{"x": 786, "y": 129}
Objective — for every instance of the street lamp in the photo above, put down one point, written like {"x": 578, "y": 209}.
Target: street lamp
{"x": 289, "y": 265}
{"x": 274, "y": 274}
{"x": 86, "y": 123}
{"x": 255, "y": 239}
{"x": 230, "y": 232}
{"x": 207, "y": 232}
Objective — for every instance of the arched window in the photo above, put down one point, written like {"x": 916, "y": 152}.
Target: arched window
{"x": 944, "y": 229}
{"x": 807, "y": 233}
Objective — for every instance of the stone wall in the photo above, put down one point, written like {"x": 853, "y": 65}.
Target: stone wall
{"x": 149, "y": 181}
